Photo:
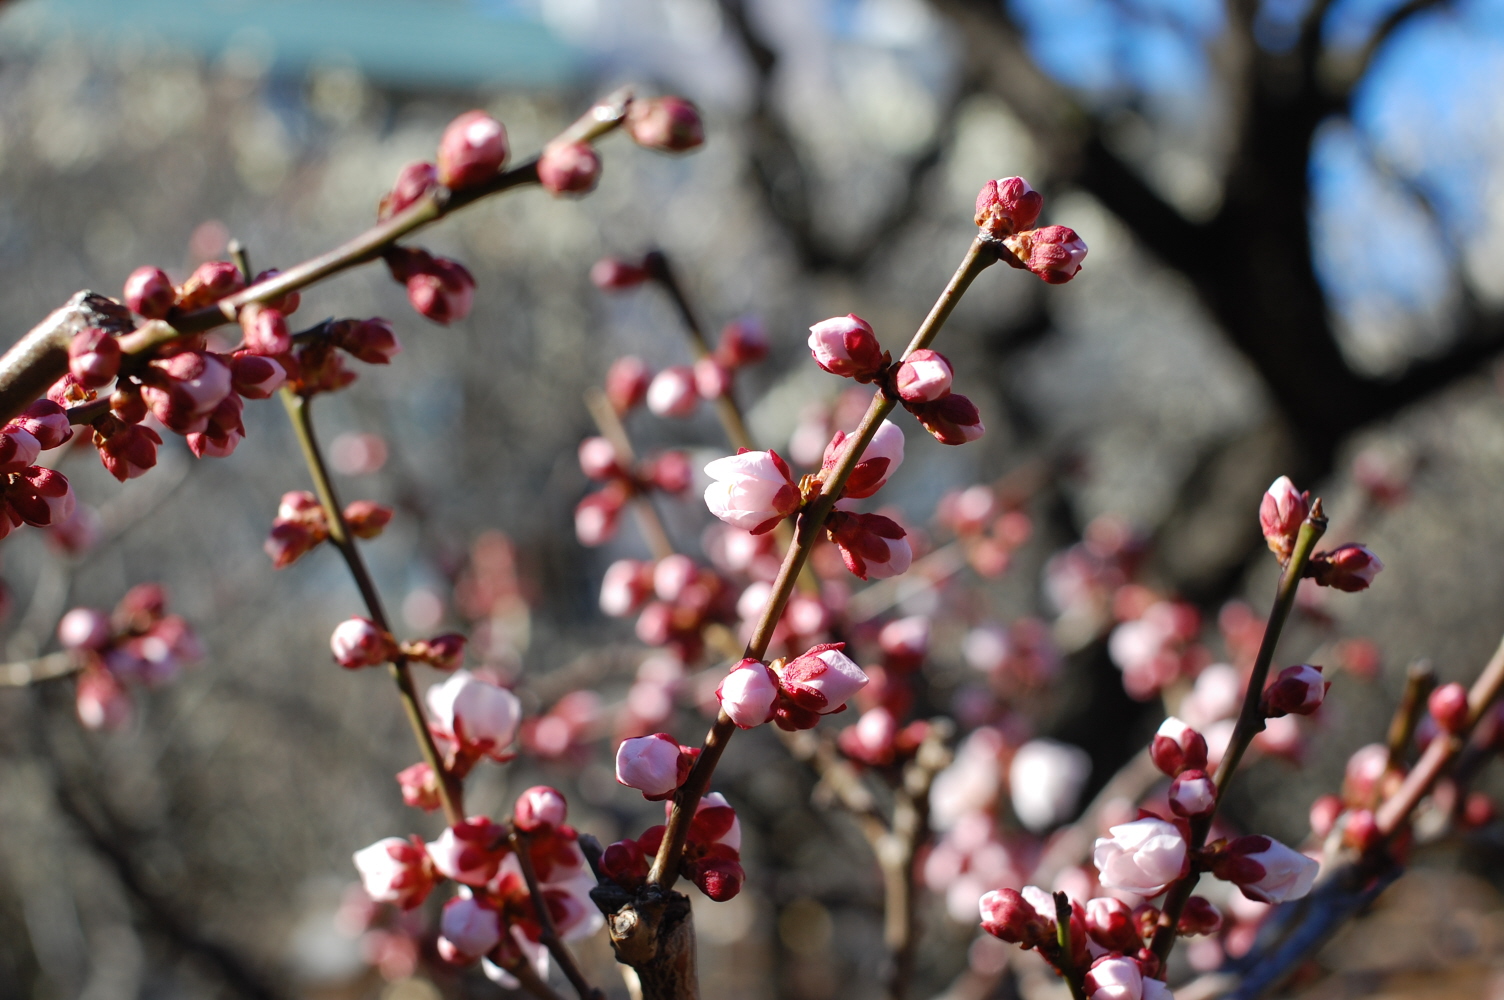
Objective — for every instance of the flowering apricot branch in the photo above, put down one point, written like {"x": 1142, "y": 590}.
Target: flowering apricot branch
{"x": 522, "y": 847}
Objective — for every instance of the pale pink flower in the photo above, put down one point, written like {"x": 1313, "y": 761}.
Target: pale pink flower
{"x": 846, "y": 345}
{"x": 1281, "y": 513}
{"x": 469, "y": 852}
{"x": 468, "y": 928}
{"x": 880, "y": 459}
{"x": 1141, "y": 857}
{"x": 1266, "y": 870}
{"x": 480, "y": 716}
{"x": 924, "y": 376}
{"x": 752, "y": 491}
{"x": 540, "y": 807}
{"x": 654, "y": 765}
{"x": 1177, "y": 747}
{"x": 747, "y": 693}
{"x": 1044, "y": 781}
{"x": 357, "y": 642}
{"x": 672, "y": 392}
{"x": 821, "y": 680}
{"x": 394, "y": 870}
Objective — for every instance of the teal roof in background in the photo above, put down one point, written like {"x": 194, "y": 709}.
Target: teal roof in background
{"x": 420, "y": 43}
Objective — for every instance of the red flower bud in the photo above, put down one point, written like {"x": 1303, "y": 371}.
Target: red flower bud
{"x": 1200, "y": 917}
{"x": 471, "y": 151}
{"x": 1281, "y": 513}
{"x": 598, "y": 459}
{"x": 444, "y": 293}
{"x": 253, "y": 376}
{"x": 924, "y": 377}
{"x": 1054, "y": 253}
{"x": 627, "y": 382}
{"x": 1347, "y": 567}
{"x": 442, "y": 652}
{"x": 612, "y": 274}
{"x": 265, "y": 329}
{"x": 846, "y": 346}
{"x": 223, "y": 431}
{"x": 287, "y": 303}
{"x": 1448, "y": 705}
{"x": 952, "y": 419}
{"x": 372, "y": 341}
{"x": 41, "y": 497}
{"x": 743, "y": 342}
{"x": 1008, "y": 916}
{"x": 415, "y": 180}
{"x": 367, "y": 518}
{"x": 1177, "y": 747}
{"x": 127, "y": 450}
{"x": 1110, "y": 923}
{"x": 149, "y": 292}
{"x": 18, "y": 449}
{"x": 569, "y": 168}
{"x": 671, "y": 472}
{"x": 1007, "y": 206}
{"x": 1298, "y": 690}
{"x": 210, "y": 282}
{"x": 47, "y": 422}
{"x": 666, "y": 124}
{"x": 94, "y": 357}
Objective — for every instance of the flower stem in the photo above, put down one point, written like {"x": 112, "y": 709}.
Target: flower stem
{"x": 1074, "y": 977}
{"x": 665, "y": 870}
{"x": 451, "y": 793}
{"x": 610, "y": 426}
{"x": 1250, "y": 723}
{"x": 522, "y": 845}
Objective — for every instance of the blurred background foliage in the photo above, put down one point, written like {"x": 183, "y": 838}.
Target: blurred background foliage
{"x": 1294, "y": 210}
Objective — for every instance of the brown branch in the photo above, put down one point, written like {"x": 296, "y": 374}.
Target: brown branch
{"x": 40, "y": 357}
{"x": 522, "y": 846}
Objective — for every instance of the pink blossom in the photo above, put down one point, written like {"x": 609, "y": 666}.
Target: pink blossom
{"x": 41, "y": 497}
{"x": 480, "y": 716}
{"x": 471, "y": 151}
{"x": 1348, "y": 567}
{"x": 880, "y": 459}
{"x": 1044, "y": 781}
{"x": 747, "y": 693}
{"x": 846, "y": 346}
{"x": 1006, "y": 206}
{"x": 149, "y": 292}
{"x": 1265, "y": 869}
{"x": 1114, "y": 977}
{"x": 394, "y": 870}
{"x": 357, "y": 642}
{"x": 469, "y": 852}
{"x": 1007, "y": 915}
{"x": 468, "y": 928}
{"x": 1298, "y": 690}
{"x": 47, "y": 422}
{"x": 822, "y": 679}
{"x": 654, "y": 765}
{"x": 951, "y": 419}
{"x": 625, "y": 586}
{"x": 598, "y": 459}
{"x": 85, "y": 628}
{"x": 627, "y": 379}
{"x": 18, "y": 449}
{"x": 924, "y": 376}
{"x": 1177, "y": 747}
{"x": 1192, "y": 793}
{"x": 1110, "y": 923}
{"x": 569, "y": 168}
{"x": 94, "y": 357}
{"x": 1054, "y": 253}
{"x": 871, "y": 545}
{"x": 672, "y": 392}
{"x": 753, "y": 490}
{"x": 540, "y": 808}
{"x": 1141, "y": 857}
{"x": 1281, "y": 513}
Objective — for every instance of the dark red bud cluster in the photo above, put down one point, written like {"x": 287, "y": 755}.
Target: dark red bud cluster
{"x": 138, "y": 644}
{"x": 440, "y": 289}
{"x": 301, "y": 525}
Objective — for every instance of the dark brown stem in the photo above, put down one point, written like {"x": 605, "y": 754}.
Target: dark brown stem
{"x": 522, "y": 844}
{"x": 1419, "y": 681}
{"x": 1250, "y": 723}
{"x": 665, "y": 870}
{"x": 525, "y": 974}
{"x": 451, "y": 791}
{"x": 41, "y": 357}
{"x": 610, "y": 426}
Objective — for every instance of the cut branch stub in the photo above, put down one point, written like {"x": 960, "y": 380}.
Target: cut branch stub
{"x": 40, "y": 357}
{"x": 652, "y": 931}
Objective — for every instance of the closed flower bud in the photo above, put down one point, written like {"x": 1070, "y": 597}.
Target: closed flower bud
{"x": 471, "y": 151}
{"x": 924, "y": 376}
{"x": 665, "y": 124}
{"x": 627, "y": 382}
{"x": 654, "y": 765}
{"x": 468, "y": 928}
{"x": 1265, "y": 869}
{"x": 1200, "y": 917}
{"x": 872, "y": 740}
{"x": 846, "y": 346}
{"x": 881, "y": 458}
{"x": 612, "y": 274}
{"x": 420, "y": 787}
{"x": 47, "y": 422}
{"x": 211, "y": 281}
{"x": 598, "y": 459}
{"x": 625, "y": 586}
{"x": 1281, "y": 513}
{"x": 905, "y": 641}
{"x": 1324, "y": 813}
{"x": 743, "y": 342}
{"x": 671, "y": 472}
{"x": 1007, "y": 206}
{"x": 540, "y": 808}
{"x": 1008, "y": 916}
{"x": 1177, "y": 747}
{"x": 1141, "y": 857}
{"x": 569, "y": 168}
{"x": 1045, "y": 780}
{"x": 265, "y": 330}
{"x": 470, "y": 852}
{"x": 752, "y": 490}
{"x": 673, "y": 575}
{"x": 871, "y": 545}
{"x": 1192, "y": 793}
{"x": 102, "y": 702}
{"x": 42, "y": 497}
{"x": 149, "y": 292}
{"x": 747, "y": 693}
{"x": 442, "y": 652}
{"x": 443, "y": 293}
{"x": 85, "y": 628}
{"x": 951, "y": 419}
{"x": 479, "y": 716}
{"x": 397, "y": 871}
{"x": 223, "y": 431}
{"x": 94, "y": 357}
{"x": 186, "y": 386}
{"x": 357, "y": 642}
{"x": 255, "y": 377}
{"x": 1360, "y": 830}
{"x": 712, "y": 380}
{"x": 287, "y": 303}
{"x": 1448, "y": 705}
{"x": 367, "y": 518}
{"x": 717, "y": 877}
{"x": 372, "y": 341}
{"x": 822, "y": 680}
{"x": 1054, "y": 253}
{"x": 289, "y": 541}
{"x": 1298, "y": 690}
{"x": 1347, "y": 567}
{"x": 1110, "y": 923}
{"x": 415, "y": 180}
{"x": 1113, "y": 977}
{"x": 672, "y": 392}
{"x": 597, "y": 515}
{"x": 18, "y": 449}
{"x": 126, "y": 450}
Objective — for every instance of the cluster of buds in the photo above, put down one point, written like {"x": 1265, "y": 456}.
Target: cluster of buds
{"x": 30, "y": 493}
{"x": 1007, "y": 210}
{"x": 439, "y": 289}
{"x": 317, "y": 364}
{"x": 493, "y": 916}
{"x": 989, "y": 531}
{"x": 1156, "y": 643}
{"x": 712, "y": 852}
{"x": 360, "y": 642}
{"x": 921, "y": 381}
{"x": 138, "y": 644}
{"x": 673, "y": 598}
{"x": 793, "y": 693}
{"x": 598, "y": 516}
{"x": 1282, "y": 511}
{"x": 675, "y": 391}
{"x": 301, "y": 525}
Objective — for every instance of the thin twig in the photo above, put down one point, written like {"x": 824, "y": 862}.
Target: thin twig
{"x": 41, "y": 668}
{"x": 610, "y": 426}
{"x": 522, "y": 846}
{"x": 1419, "y": 680}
